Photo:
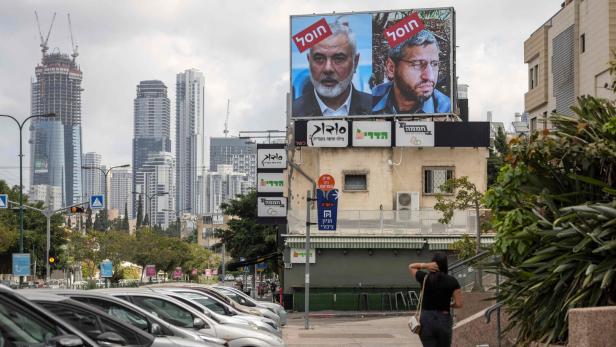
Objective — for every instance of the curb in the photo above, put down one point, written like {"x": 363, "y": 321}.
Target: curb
{"x": 300, "y": 315}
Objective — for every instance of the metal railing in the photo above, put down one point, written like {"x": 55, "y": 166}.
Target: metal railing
{"x": 392, "y": 222}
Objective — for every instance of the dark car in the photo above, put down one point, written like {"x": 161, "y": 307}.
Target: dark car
{"x": 24, "y": 323}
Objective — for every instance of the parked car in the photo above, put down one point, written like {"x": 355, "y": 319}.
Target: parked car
{"x": 138, "y": 317}
{"x": 24, "y": 323}
{"x": 180, "y": 314}
{"x": 247, "y": 300}
{"x": 104, "y": 328}
{"x": 229, "y": 277}
{"x": 203, "y": 303}
{"x": 239, "y": 300}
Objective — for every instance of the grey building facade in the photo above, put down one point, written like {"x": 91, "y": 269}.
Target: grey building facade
{"x": 190, "y": 140}
{"x": 56, "y": 144}
{"x": 151, "y": 129}
{"x": 241, "y": 153}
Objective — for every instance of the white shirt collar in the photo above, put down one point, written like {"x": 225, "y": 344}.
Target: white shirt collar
{"x": 343, "y": 110}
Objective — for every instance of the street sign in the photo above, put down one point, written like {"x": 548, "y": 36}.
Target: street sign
{"x": 4, "y": 199}
{"x": 106, "y": 269}
{"x": 21, "y": 264}
{"x": 261, "y": 266}
{"x": 326, "y": 182}
{"x": 97, "y": 202}
{"x": 327, "y": 209}
{"x": 208, "y": 272}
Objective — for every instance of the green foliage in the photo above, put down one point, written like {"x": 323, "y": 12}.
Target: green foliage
{"x": 465, "y": 196}
{"x": 465, "y": 247}
{"x": 554, "y": 209}
{"x": 244, "y": 237}
{"x": 497, "y": 154}
{"x": 139, "y": 212}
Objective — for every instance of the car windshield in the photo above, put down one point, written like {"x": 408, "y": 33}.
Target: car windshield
{"x": 19, "y": 326}
{"x": 210, "y": 303}
{"x": 166, "y": 310}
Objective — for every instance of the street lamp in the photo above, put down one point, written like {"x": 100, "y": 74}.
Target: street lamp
{"x": 150, "y": 196}
{"x": 21, "y": 186}
{"x": 105, "y": 173}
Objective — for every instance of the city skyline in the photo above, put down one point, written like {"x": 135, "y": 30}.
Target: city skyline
{"x": 132, "y": 43}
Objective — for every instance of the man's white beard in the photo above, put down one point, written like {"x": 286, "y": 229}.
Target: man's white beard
{"x": 331, "y": 92}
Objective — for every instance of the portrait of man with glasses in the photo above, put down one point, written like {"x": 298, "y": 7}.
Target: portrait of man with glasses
{"x": 412, "y": 71}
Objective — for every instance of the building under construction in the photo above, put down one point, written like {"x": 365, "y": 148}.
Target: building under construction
{"x": 56, "y": 144}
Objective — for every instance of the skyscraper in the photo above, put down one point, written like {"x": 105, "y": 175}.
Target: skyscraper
{"x": 223, "y": 185}
{"x": 93, "y": 179}
{"x": 120, "y": 192}
{"x": 158, "y": 177}
{"x": 241, "y": 153}
{"x": 152, "y": 127}
{"x": 190, "y": 141}
{"x": 55, "y": 156}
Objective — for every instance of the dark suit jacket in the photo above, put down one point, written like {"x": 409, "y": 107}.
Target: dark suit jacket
{"x": 307, "y": 105}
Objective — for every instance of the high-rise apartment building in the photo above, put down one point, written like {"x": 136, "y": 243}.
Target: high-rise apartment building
{"x": 240, "y": 153}
{"x": 55, "y": 156}
{"x": 158, "y": 193}
{"x": 568, "y": 56}
{"x": 223, "y": 185}
{"x": 51, "y": 196}
{"x": 152, "y": 127}
{"x": 92, "y": 177}
{"x": 190, "y": 140}
{"x": 120, "y": 193}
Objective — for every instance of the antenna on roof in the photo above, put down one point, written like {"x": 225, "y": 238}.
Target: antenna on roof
{"x": 73, "y": 45}
{"x": 44, "y": 41}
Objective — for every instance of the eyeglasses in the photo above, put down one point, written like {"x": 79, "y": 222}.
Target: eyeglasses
{"x": 421, "y": 65}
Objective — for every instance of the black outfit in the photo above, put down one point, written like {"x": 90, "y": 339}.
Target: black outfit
{"x": 436, "y": 321}
{"x": 307, "y": 105}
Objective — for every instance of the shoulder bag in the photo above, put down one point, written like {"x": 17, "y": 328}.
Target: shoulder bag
{"x": 414, "y": 321}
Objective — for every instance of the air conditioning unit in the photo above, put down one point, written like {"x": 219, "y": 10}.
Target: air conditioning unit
{"x": 407, "y": 203}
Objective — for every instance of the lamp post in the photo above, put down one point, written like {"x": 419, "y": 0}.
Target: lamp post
{"x": 21, "y": 185}
{"x": 150, "y": 196}
{"x": 105, "y": 173}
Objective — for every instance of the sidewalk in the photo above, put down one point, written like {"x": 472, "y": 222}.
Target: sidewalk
{"x": 350, "y": 329}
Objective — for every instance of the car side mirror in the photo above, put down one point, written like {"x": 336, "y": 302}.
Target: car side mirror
{"x": 207, "y": 312}
{"x": 156, "y": 330}
{"x": 199, "y": 323}
{"x": 65, "y": 341}
{"x": 112, "y": 338}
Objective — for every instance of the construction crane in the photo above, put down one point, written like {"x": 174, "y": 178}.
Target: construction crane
{"x": 44, "y": 41}
{"x": 73, "y": 46}
{"x": 226, "y": 131}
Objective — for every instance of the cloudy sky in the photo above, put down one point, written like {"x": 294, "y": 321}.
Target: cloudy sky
{"x": 242, "y": 47}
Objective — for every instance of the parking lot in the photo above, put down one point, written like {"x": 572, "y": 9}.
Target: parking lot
{"x": 347, "y": 332}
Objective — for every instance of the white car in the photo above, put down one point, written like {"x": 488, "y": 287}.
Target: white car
{"x": 275, "y": 308}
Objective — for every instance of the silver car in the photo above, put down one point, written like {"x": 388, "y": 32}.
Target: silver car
{"x": 206, "y": 304}
{"x": 178, "y": 313}
{"x": 136, "y": 316}
{"x": 104, "y": 328}
{"x": 240, "y": 300}
{"x": 276, "y": 308}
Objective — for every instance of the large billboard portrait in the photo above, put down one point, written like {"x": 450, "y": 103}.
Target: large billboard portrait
{"x": 373, "y": 63}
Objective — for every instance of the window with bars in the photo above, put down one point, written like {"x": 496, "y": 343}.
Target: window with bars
{"x": 434, "y": 177}
{"x": 356, "y": 181}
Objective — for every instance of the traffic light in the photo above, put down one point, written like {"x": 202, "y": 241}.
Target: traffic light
{"x": 77, "y": 209}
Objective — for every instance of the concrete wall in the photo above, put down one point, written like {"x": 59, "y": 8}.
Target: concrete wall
{"x": 593, "y": 326}
{"x": 358, "y": 269}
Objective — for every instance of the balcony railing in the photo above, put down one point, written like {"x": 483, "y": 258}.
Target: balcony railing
{"x": 388, "y": 222}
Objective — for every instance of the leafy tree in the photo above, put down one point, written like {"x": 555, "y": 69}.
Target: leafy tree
{"x": 139, "y": 212}
{"x": 497, "y": 154}
{"x": 554, "y": 208}
{"x": 125, "y": 224}
{"x": 465, "y": 196}
{"x": 244, "y": 237}
{"x": 89, "y": 223}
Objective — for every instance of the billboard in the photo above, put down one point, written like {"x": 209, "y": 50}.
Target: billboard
{"x": 373, "y": 63}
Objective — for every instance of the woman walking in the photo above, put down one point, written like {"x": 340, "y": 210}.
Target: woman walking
{"x": 440, "y": 288}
